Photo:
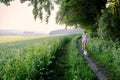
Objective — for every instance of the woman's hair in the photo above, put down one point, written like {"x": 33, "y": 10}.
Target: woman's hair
{"x": 84, "y": 31}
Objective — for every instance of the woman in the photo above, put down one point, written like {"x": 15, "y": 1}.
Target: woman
{"x": 84, "y": 40}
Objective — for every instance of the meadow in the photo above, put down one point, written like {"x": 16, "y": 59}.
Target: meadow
{"x": 4, "y": 39}
{"x": 51, "y": 58}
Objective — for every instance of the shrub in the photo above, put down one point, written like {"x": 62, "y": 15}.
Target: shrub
{"x": 106, "y": 53}
{"x": 109, "y": 26}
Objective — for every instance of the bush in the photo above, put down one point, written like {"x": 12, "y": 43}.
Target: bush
{"x": 106, "y": 53}
{"x": 109, "y": 26}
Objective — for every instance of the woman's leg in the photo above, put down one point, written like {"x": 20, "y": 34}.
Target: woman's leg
{"x": 84, "y": 45}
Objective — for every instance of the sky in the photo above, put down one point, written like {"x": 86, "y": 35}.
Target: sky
{"x": 19, "y": 16}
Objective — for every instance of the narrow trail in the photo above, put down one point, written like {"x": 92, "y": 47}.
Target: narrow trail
{"x": 95, "y": 69}
{"x": 60, "y": 65}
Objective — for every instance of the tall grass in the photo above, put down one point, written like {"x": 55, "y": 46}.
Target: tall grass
{"x": 79, "y": 69}
{"x": 107, "y": 53}
{"x": 28, "y": 60}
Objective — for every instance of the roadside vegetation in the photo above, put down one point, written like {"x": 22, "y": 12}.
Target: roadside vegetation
{"x": 106, "y": 54}
{"x": 79, "y": 69}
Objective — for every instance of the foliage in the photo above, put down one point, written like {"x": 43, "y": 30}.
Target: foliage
{"x": 109, "y": 26}
{"x": 79, "y": 69}
{"x": 114, "y": 6}
{"x": 106, "y": 53}
{"x": 72, "y": 13}
{"x": 80, "y": 12}
{"x": 108, "y": 23}
{"x": 39, "y": 7}
{"x": 28, "y": 59}
{"x": 6, "y": 2}
{"x": 33, "y": 59}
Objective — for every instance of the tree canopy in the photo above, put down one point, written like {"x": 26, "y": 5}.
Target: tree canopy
{"x": 80, "y": 12}
{"x": 6, "y": 2}
{"x": 83, "y": 12}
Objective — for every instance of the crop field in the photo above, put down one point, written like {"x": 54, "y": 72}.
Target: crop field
{"x": 51, "y": 58}
{"x": 55, "y": 58}
{"x": 4, "y": 39}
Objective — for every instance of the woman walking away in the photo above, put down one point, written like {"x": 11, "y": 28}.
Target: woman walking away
{"x": 84, "y": 40}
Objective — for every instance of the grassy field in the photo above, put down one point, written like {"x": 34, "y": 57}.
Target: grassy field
{"x": 55, "y": 58}
{"x": 27, "y": 59}
{"x": 4, "y": 39}
{"x": 47, "y": 58}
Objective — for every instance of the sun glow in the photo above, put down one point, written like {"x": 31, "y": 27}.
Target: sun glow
{"x": 19, "y": 16}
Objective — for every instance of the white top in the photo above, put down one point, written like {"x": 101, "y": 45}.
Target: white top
{"x": 84, "y": 37}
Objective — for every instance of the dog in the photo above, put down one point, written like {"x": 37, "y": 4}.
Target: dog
{"x": 85, "y": 52}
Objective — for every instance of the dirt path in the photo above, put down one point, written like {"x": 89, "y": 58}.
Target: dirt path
{"x": 60, "y": 64}
{"x": 92, "y": 65}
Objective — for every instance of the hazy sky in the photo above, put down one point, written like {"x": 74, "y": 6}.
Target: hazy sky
{"x": 19, "y": 16}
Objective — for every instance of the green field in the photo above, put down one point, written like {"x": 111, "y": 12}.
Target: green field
{"x": 57, "y": 58}
{"x": 4, "y": 39}
{"x": 52, "y": 58}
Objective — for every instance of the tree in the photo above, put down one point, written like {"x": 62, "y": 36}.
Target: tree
{"x": 39, "y": 6}
{"x": 80, "y": 12}
{"x": 114, "y": 6}
{"x": 6, "y": 2}
{"x": 108, "y": 23}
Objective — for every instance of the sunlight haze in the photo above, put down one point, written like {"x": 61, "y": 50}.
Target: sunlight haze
{"x": 19, "y": 16}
